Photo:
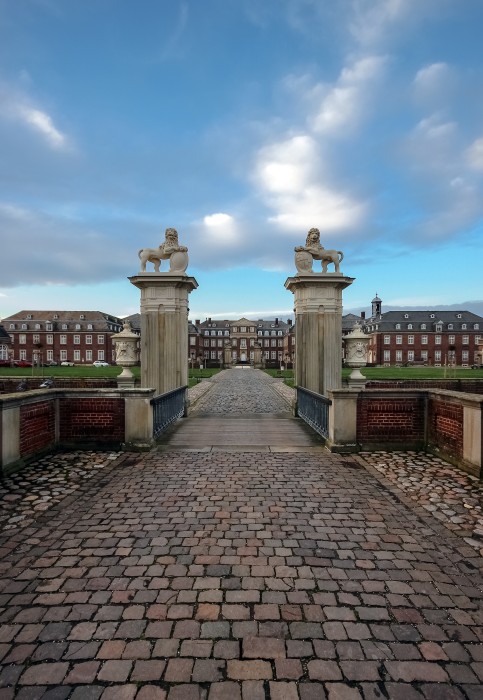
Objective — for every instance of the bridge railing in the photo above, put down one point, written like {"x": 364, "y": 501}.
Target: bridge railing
{"x": 313, "y": 408}
{"x": 167, "y": 408}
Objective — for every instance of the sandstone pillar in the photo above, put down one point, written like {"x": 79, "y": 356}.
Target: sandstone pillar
{"x": 164, "y": 329}
{"x": 318, "y": 329}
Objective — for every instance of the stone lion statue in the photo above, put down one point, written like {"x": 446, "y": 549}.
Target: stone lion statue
{"x": 169, "y": 250}
{"x": 313, "y": 250}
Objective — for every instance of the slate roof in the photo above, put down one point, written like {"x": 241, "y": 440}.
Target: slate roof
{"x": 388, "y": 320}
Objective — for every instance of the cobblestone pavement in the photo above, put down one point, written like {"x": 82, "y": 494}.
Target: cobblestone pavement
{"x": 240, "y": 575}
{"x": 241, "y": 391}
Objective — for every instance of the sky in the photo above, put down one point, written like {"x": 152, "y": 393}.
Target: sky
{"x": 242, "y": 124}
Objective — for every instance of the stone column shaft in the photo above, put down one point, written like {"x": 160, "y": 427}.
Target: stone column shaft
{"x": 318, "y": 330}
{"x": 164, "y": 329}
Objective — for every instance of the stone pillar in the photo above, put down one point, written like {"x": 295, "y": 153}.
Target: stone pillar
{"x": 164, "y": 329}
{"x": 318, "y": 329}
{"x": 257, "y": 356}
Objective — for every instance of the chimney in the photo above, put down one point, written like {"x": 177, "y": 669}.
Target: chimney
{"x": 363, "y": 315}
{"x": 276, "y": 321}
{"x": 289, "y": 321}
{"x": 197, "y": 322}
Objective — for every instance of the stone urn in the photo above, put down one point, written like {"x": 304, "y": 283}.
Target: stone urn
{"x": 356, "y": 344}
{"x": 125, "y": 343}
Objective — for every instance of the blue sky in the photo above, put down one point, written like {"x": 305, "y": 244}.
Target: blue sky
{"x": 241, "y": 123}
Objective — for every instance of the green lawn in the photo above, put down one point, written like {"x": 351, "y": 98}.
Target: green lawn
{"x": 287, "y": 374}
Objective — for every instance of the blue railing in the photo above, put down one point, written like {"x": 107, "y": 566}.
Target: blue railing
{"x": 314, "y": 410}
{"x": 168, "y": 408}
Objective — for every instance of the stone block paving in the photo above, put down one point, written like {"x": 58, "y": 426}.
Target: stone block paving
{"x": 239, "y": 576}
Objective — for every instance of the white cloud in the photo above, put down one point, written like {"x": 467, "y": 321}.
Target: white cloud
{"x": 344, "y": 104}
{"x": 18, "y": 108}
{"x": 289, "y": 174}
{"x": 474, "y": 154}
{"x": 221, "y": 229}
{"x": 432, "y": 128}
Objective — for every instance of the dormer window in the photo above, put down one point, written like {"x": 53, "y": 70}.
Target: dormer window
{"x": 439, "y": 327}
{"x": 82, "y": 317}
{"x": 77, "y": 326}
{"x": 423, "y": 326}
{"x": 431, "y": 315}
{"x": 406, "y": 315}
{"x": 29, "y": 316}
{"x": 12, "y": 326}
{"x": 458, "y": 315}
{"x": 56, "y": 316}
{"x": 398, "y": 326}
{"x": 463, "y": 326}
{"x": 410, "y": 326}
{"x": 24, "y": 326}
{"x": 476, "y": 327}
{"x": 64, "y": 326}
{"x": 450, "y": 326}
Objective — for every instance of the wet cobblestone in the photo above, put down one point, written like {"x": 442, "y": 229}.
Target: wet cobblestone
{"x": 449, "y": 494}
{"x": 241, "y": 391}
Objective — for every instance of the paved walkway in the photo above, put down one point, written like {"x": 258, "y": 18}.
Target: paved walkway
{"x": 234, "y": 575}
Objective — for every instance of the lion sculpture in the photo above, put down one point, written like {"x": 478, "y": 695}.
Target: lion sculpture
{"x": 169, "y": 250}
{"x": 313, "y": 250}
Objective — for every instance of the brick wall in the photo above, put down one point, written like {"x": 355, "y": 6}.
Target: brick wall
{"x": 390, "y": 420}
{"x": 100, "y": 420}
{"x": 37, "y": 427}
{"x": 9, "y": 385}
{"x": 445, "y": 426}
{"x": 468, "y": 386}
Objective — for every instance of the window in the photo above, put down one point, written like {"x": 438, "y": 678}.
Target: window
{"x": 213, "y": 354}
{"x": 63, "y": 355}
{"x": 387, "y": 355}
{"x": 50, "y": 340}
{"x": 48, "y": 327}
{"x": 410, "y": 326}
{"x": 37, "y": 326}
{"x": 466, "y": 340}
{"x": 50, "y": 355}
{"x": 439, "y": 327}
{"x": 64, "y": 326}
{"x": 437, "y": 356}
{"x": 76, "y": 355}
{"x": 465, "y": 357}
{"x": 63, "y": 340}
{"x": 219, "y": 332}
{"x": 100, "y": 340}
{"x": 410, "y": 355}
{"x": 252, "y": 329}
{"x": 274, "y": 343}
{"x": 476, "y": 326}
{"x": 88, "y": 355}
{"x": 77, "y": 326}
{"x": 424, "y": 355}
{"x": 22, "y": 338}
{"x": 36, "y": 338}
{"x": 88, "y": 339}
{"x": 451, "y": 339}
{"x": 206, "y": 343}
{"x": 387, "y": 340}
{"x": 406, "y": 315}
{"x": 89, "y": 327}
{"x": 24, "y": 326}
{"x": 273, "y": 355}
{"x": 12, "y": 326}
{"x": 243, "y": 329}
{"x": 82, "y": 317}
{"x": 235, "y": 329}
{"x": 192, "y": 340}
{"x": 437, "y": 340}
{"x": 424, "y": 340}
{"x": 23, "y": 354}
{"x": 100, "y": 355}
{"x": 243, "y": 342}
{"x": 423, "y": 326}
{"x": 450, "y": 326}
{"x": 233, "y": 342}
{"x": 463, "y": 326}
{"x": 431, "y": 315}
{"x": 398, "y": 355}
{"x": 458, "y": 315}
{"x": 266, "y": 343}
{"x": 410, "y": 339}
{"x": 398, "y": 326}
{"x": 220, "y": 343}
{"x": 213, "y": 343}
{"x": 280, "y": 342}
{"x": 399, "y": 340}
{"x": 77, "y": 340}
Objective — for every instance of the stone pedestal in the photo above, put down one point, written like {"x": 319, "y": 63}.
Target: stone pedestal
{"x": 318, "y": 330}
{"x": 257, "y": 356}
{"x": 164, "y": 329}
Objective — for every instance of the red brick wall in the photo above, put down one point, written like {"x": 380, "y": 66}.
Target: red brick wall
{"x": 100, "y": 420}
{"x": 468, "y": 386}
{"x": 390, "y": 420}
{"x": 37, "y": 427}
{"x": 445, "y": 426}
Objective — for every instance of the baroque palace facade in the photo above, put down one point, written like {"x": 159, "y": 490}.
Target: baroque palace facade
{"x": 397, "y": 338}
{"x": 81, "y": 337}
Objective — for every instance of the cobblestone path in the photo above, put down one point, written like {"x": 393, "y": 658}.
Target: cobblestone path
{"x": 241, "y": 391}
{"x": 237, "y": 575}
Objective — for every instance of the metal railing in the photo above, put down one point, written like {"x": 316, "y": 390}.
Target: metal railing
{"x": 167, "y": 408}
{"x": 314, "y": 410}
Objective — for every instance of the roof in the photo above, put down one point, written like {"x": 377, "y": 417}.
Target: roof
{"x": 4, "y": 336}
{"x": 99, "y": 319}
{"x": 389, "y": 320}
